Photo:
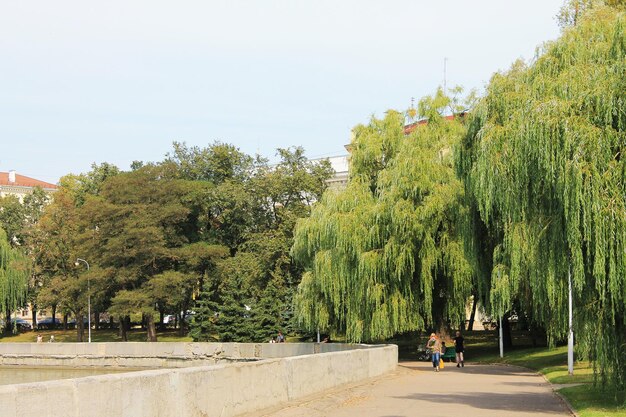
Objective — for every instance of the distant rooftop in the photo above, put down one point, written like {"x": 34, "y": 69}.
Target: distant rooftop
{"x": 12, "y": 178}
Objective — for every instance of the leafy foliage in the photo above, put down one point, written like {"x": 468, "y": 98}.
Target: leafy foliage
{"x": 14, "y": 275}
{"x": 249, "y": 297}
{"x": 544, "y": 162}
{"x": 385, "y": 256}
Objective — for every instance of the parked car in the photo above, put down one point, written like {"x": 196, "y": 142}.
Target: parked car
{"x": 23, "y": 325}
{"x": 71, "y": 324}
{"x": 46, "y": 323}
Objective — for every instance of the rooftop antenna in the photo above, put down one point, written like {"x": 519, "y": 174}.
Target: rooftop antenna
{"x": 445, "y": 61}
{"x": 411, "y": 113}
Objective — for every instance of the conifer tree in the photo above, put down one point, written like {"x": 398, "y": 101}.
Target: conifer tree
{"x": 203, "y": 325}
{"x": 233, "y": 322}
{"x": 269, "y": 311}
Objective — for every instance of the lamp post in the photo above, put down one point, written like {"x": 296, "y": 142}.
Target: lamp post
{"x": 570, "y": 332}
{"x": 78, "y": 260}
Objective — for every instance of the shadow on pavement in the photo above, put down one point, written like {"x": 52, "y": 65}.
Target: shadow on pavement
{"x": 470, "y": 369}
{"x": 520, "y": 401}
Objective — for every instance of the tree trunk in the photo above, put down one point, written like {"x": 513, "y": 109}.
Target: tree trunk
{"x": 80, "y": 327}
{"x": 152, "y": 337}
{"x": 65, "y": 321}
{"x": 54, "y": 313}
{"x": 470, "y": 324}
{"x": 181, "y": 324}
{"x": 96, "y": 319}
{"x": 8, "y": 329}
{"x": 123, "y": 333}
{"x": 34, "y": 316}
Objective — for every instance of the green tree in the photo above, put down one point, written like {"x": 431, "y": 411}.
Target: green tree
{"x": 270, "y": 314}
{"x": 18, "y": 219}
{"x": 203, "y": 328}
{"x": 385, "y": 255}
{"x": 237, "y": 276}
{"x": 254, "y": 215}
{"x": 14, "y": 275}
{"x": 12, "y": 218}
{"x": 90, "y": 183}
{"x": 543, "y": 161}
{"x": 217, "y": 163}
{"x": 55, "y": 249}
{"x": 132, "y": 229}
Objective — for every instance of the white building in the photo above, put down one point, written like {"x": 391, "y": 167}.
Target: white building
{"x": 18, "y": 185}
{"x": 340, "y": 165}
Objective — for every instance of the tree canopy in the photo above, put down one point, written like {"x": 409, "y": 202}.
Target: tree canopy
{"x": 385, "y": 255}
{"x": 544, "y": 163}
{"x": 205, "y": 231}
{"x": 14, "y": 274}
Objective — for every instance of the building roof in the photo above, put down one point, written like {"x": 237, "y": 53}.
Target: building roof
{"x": 411, "y": 127}
{"x": 24, "y": 181}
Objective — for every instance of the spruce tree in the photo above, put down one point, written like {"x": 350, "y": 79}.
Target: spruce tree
{"x": 202, "y": 327}
{"x": 233, "y": 322}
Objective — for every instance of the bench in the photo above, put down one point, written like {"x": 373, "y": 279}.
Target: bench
{"x": 450, "y": 355}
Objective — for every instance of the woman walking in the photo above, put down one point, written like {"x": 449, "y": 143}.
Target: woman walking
{"x": 459, "y": 349}
{"x": 434, "y": 344}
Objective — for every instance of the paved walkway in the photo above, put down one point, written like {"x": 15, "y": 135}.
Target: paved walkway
{"x": 416, "y": 390}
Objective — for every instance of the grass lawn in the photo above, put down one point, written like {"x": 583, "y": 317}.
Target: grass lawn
{"x": 104, "y": 335}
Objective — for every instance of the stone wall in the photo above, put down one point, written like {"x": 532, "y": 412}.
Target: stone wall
{"x": 292, "y": 371}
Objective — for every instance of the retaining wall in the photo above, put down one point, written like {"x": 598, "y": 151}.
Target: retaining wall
{"x": 154, "y": 355}
{"x": 294, "y": 371}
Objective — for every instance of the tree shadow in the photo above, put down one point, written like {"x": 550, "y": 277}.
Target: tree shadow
{"x": 517, "y": 402}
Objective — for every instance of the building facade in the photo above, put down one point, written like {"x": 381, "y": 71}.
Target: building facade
{"x": 12, "y": 183}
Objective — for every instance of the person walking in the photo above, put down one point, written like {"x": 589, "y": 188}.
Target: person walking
{"x": 459, "y": 349}
{"x": 434, "y": 344}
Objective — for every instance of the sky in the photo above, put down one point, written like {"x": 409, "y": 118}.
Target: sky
{"x": 85, "y": 82}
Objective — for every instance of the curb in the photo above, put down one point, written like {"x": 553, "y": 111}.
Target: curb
{"x": 567, "y": 403}
{"x": 561, "y": 397}
{"x": 555, "y": 392}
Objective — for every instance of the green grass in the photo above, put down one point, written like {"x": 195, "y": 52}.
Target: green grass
{"x": 104, "y": 335}
{"x": 590, "y": 401}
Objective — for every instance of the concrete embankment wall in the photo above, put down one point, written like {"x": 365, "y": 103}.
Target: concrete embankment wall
{"x": 154, "y": 355}
{"x": 214, "y": 390}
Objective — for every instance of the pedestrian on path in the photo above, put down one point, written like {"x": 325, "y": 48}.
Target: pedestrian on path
{"x": 434, "y": 344}
{"x": 459, "y": 349}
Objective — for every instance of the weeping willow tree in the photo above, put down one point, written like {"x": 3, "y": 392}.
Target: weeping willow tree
{"x": 13, "y": 276}
{"x": 544, "y": 161}
{"x": 384, "y": 255}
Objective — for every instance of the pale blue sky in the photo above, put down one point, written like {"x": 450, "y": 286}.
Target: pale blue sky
{"x": 93, "y": 81}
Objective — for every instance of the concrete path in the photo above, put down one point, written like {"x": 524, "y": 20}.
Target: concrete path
{"x": 416, "y": 390}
